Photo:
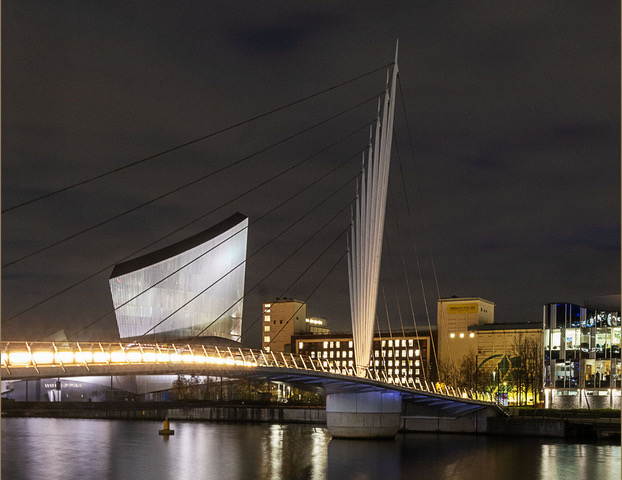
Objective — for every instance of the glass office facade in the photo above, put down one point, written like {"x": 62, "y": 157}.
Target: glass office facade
{"x": 581, "y": 351}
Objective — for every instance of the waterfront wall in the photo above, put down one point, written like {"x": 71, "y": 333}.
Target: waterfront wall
{"x": 582, "y": 424}
{"x": 583, "y": 400}
{"x": 250, "y": 414}
{"x": 160, "y": 411}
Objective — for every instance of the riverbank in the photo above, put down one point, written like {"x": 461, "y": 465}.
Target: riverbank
{"x": 170, "y": 410}
{"x": 584, "y": 424}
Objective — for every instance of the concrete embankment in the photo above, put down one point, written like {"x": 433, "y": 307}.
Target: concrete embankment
{"x": 159, "y": 411}
{"x": 584, "y": 425}
{"x": 560, "y": 424}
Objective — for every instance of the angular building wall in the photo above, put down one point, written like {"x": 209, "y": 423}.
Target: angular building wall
{"x": 198, "y": 283}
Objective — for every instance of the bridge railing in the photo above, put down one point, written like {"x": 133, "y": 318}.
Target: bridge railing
{"x": 49, "y": 356}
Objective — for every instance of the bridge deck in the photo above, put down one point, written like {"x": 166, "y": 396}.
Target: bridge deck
{"x": 34, "y": 360}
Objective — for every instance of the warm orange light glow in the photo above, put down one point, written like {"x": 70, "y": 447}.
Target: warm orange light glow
{"x": 19, "y": 358}
{"x": 101, "y": 357}
{"x": 84, "y": 357}
{"x": 63, "y": 357}
{"x": 43, "y": 358}
{"x": 150, "y": 357}
{"x": 118, "y": 356}
{"x": 134, "y": 357}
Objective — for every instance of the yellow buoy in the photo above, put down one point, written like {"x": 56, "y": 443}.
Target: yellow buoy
{"x": 166, "y": 429}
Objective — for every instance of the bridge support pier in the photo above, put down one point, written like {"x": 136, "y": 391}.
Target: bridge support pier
{"x": 363, "y": 415}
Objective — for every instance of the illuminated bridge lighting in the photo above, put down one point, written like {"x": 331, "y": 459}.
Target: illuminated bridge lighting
{"x": 51, "y": 359}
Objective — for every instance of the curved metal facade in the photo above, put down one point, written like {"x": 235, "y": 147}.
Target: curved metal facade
{"x": 196, "y": 286}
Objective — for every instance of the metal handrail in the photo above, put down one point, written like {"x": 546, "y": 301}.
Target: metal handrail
{"x": 46, "y": 355}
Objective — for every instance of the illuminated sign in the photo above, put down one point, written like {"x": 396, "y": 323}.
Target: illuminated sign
{"x": 464, "y": 308}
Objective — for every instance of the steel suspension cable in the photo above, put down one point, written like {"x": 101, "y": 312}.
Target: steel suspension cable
{"x": 407, "y": 283}
{"x": 425, "y": 302}
{"x": 231, "y": 236}
{"x": 299, "y": 276}
{"x": 192, "y": 222}
{"x": 426, "y": 230}
{"x": 184, "y": 186}
{"x": 423, "y": 210}
{"x": 191, "y": 142}
{"x": 315, "y": 289}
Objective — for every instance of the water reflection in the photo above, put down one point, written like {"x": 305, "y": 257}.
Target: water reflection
{"x": 68, "y": 449}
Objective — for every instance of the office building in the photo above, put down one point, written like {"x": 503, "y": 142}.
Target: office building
{"x": 400, "y": 358}
{"x": 284, "y": 318}
{"x": 581, "y": 357}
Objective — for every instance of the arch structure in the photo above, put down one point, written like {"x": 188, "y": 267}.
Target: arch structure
{"x": 193, "y": 287}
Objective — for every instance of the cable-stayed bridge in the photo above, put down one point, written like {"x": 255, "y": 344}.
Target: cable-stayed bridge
{"x": 354, "y": 394}
{"x": 38, "y": 360}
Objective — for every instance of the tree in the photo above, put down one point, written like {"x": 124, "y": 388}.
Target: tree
{"x": 527, "y": 363}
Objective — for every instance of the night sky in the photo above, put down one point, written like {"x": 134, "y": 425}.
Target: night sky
{"x": 508, "y": 189}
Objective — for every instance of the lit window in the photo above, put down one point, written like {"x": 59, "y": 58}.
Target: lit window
{"x": 325, "y": 354}
{"x": 390, "y": 363}
{"x": 266, "y": 339}
{"x": 300, "y": 345}
{"x": 350, "y": 354}
{"x": 376, "y": 363}
{"x": 312, "y": 353}
{"x": 350, "y": 363}
{"x": 416, "y": 371}
{"x": 384, "y": 343}
{"x": 397, "y": 353}
{"x": 331, "y": 344}
{"x": 267, "y": 349}
{"x": 376, "y": 353}
{"x": 350, "y": 344}
{"x": 403, "y": 353}
{"x": 472, "y": 335}
{"x": 344, "y": 354}
{"x": 326, "y": 364}
{"x": 416, "y": 353}
{"x": 410, "y": 352}
{"x": 452, "y": 335}
{"x": 337, "y": 344}
{"x": 266, "y": 305}
{"x": 331, "y": 354}
{"x": 410, "y": 342}
{"x": 337, "y": 362}
{"x": 403, "y": 371}
{"x": 266, "y": 328}
{"x": 325, "y": 344}
{"x": 462, "y": 335}
{"x": 338, "y": 353}
{"x": 390, "y": 343}
{"x": 390, "y": 371}
{"x": 384, "y": 353}
{"x": 416, "y": 363}
{"x": 390, "y": 353}
{"x": 267, "y": 318}
{"x": 410, "y": 371}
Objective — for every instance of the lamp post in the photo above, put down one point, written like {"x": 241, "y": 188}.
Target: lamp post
{"x": 476, "y": 370}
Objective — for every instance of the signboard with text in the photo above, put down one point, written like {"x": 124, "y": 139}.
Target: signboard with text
{"x": 461, "y": 309}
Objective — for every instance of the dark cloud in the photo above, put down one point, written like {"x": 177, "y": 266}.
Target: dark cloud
{"x": 287, "y": 36}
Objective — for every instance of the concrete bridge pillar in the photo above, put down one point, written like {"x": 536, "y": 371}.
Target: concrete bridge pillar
{"x": 363, "y": 415}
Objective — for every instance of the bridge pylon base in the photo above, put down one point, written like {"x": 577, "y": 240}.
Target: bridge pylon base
{"x": 363, "y": 415}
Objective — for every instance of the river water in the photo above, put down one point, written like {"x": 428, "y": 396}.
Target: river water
{"x": 41, "y": 448}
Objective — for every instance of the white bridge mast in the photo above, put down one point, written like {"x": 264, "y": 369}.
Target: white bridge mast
{"x": 365, "y": 239}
